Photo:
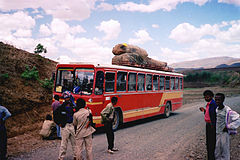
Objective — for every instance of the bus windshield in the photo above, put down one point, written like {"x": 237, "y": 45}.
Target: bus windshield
{"x": 79, "y": 81}
{"x": 83, "y": 83}
{"x": 64, "y": 80}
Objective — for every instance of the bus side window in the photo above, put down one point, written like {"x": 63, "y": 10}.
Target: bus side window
{"x": 162, "y": 82}
{"x": 132, "y": 81}
{"x": 172, "y": 83}
{"x": 141, "y": 82}
{"x": 110, "y": 82}
{"x": 149, "y": 82}
{"x": 99, "y": 83}
{"x": 155, "y": 82}
{"x": 176, "y": 83}
{"x": 181, "y": 84}
{"x": 121, "y": 81}
{"x": 167, "y": 83}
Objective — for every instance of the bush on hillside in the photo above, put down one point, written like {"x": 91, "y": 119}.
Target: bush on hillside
{"x": 47, "y": 83}
{"x": 3, "y": 77}
{"x": 30, "y": 74}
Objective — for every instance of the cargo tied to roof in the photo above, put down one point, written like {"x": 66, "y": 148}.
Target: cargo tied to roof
{"x": 130, "y": 55}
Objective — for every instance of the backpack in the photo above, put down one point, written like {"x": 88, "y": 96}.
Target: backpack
{"x": 60, "y": 115}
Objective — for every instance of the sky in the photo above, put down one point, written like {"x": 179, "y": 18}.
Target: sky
{"x": 86, "y": 30}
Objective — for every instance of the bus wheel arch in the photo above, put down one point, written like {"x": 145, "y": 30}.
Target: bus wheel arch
{"x": 118, "y": 119}
{"x": 167, "y": 109}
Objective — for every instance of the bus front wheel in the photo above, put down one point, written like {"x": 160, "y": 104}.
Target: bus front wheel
{"x": 167, "y": 110}
{"x": 116, "y": 121}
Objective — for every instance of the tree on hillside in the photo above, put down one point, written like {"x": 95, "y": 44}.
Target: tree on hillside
{"x": 40, "y": 49}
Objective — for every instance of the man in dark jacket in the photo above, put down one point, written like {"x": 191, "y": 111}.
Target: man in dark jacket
{"x": 210, "y": 119}
{"x": 63, "y": 116}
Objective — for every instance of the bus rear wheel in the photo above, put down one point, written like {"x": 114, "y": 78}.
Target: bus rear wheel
{"x": 116, "y": 121}
{"x": 167, "y": 110}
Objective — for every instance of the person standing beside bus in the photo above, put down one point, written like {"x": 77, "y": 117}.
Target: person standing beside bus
{"x": 83, "y": 130}
{"x": 63, "y": 116}
{"x": 210, "y": 119}
{"x": 55, "y": 105}
{"x": 107, "y": 115}
{"x": 4, "y": 114}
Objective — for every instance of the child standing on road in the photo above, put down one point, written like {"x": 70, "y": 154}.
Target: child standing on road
{"x": 210, "y": 119}
{"x": 227, "y": 123}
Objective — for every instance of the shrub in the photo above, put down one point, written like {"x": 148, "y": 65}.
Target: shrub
{"x": 30, "y": 74}
{"x": 47, "y": 83}
{"x": 4, "y": 76}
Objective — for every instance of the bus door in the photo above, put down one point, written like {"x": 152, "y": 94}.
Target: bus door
{"x": 98, "y": 98}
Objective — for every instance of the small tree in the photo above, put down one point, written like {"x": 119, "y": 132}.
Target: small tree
{"x": 40, "y": 49}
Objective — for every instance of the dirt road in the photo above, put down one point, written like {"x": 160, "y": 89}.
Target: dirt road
{"x": 153, "y": 138}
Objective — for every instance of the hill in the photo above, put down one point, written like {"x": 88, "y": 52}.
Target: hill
{"x": 207, "y": 63}
{"x": 25, "y": 95}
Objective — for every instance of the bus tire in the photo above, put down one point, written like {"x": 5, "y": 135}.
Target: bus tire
{"x": 167, "y": 110}
{"x": 116, "y": 121}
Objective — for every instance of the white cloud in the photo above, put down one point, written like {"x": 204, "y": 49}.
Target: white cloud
{"x": 60, "y": 27}
{"x": 185, "y": 32}
{"x": 226, "y": 31}
{"x": 63, "y": 9}
{"x": 214, "y": 48}
{"x": 77, "y": 29}
{"x": 87, "y": 50}
{"x": 44, "y": 30}
{"x": 23, "y": 33}
{"x": 155, "y": 26}
{"x": 105, "y": 6}
{"x": 64, "y": 59}
{"x": 207, "y": 40}
{"x": 111, "y": 28}
{"x": 18, "y": 24}
{"x": 142, "y": 36}
{"x": 172, "y": 56}
{"x": 155, "y": 5}
{"x": 236, "y": 2}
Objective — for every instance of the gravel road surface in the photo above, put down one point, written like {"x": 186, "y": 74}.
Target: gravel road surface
{"x": 155, "y": 138}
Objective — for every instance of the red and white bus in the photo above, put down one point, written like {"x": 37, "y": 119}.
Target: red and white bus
{"x": 141, "y": 92}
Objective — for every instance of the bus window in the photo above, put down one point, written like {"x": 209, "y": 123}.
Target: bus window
{"x": 176, "y": 83}
{"x": 167, "y": 83}
{"x": 155, "y": 82}
{"x": 162, "y": 82}
{"x": 110, "y": 82}
{"x": 64, "y": 81}
{"x": 132, "y": 81}
{"x": 121, "y": 81}
{"x": 149, "y": 82}
{"x": 141, "y": 82}
{"x": 83, "y": 83}
{"x": 181, "y": 84}
{"x": 172, "y": 83}
{"x": 99, "y": 83}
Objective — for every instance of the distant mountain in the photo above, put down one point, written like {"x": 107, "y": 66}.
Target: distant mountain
{"x": 207, "y": 63}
